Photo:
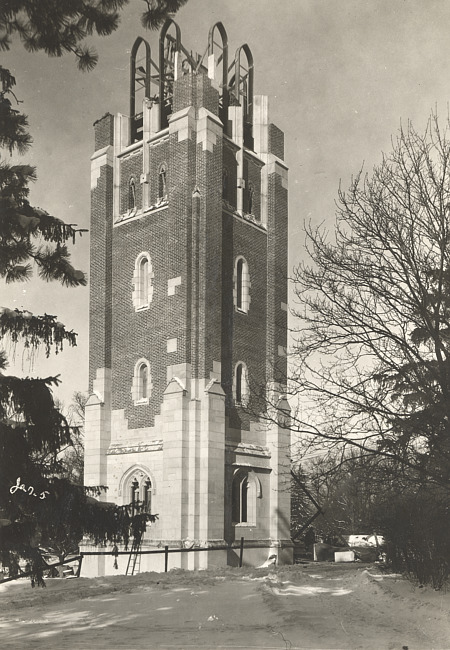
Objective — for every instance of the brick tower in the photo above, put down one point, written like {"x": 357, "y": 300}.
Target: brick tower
{"x": 188, "y": 307}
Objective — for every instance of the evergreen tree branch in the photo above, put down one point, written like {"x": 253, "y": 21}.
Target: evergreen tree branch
{"x": 35, "y": 330}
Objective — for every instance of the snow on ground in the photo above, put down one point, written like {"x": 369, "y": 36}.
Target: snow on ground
{"x": 316, "y": 606}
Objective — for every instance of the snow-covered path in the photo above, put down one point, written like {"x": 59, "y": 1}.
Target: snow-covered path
{"x": 318, "y": 606}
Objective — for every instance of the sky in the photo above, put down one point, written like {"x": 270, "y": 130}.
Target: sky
{"x": 341, "y": 77}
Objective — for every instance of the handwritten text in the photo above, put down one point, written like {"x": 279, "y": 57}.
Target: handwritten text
{"x": 30, "y": 490}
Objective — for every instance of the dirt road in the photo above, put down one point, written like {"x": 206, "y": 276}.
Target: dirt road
{"x": 317, "y": 606}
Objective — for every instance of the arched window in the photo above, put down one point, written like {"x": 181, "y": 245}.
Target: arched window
{"x": 131, "y": 194}
{"x": 240, "y": 384}
{"x": 137, "y": 489}
{"x": 143, "y": 380}
{"x": 141, "y": 389}
{"x": 239, "y": 372}
{"x": 246, "y": 488}
{"x": 142, "y": 282}
{"x": 241, "y": 285}
{"x": 162, "y": 182}
{"x": 239, "y": 274}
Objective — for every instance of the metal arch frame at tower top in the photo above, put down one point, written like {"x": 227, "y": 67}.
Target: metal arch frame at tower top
{"x": 164, "y": 97}
{"x": 238, "y": 81}
{"x": 224, "y": 56}
{"x": 144, "y": 82}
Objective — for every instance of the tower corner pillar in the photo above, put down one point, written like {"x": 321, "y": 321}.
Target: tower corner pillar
{"x": 279, "y": 445}
{"x": 97, "y": 431}
{"x": 212, "y": 463}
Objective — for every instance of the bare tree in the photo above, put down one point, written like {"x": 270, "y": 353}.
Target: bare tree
{"x": 373, "y": 301}
{"x": 73, "y": 460}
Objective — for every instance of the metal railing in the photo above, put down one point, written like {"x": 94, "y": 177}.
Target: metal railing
{"x": 166, "y": 550}
{"x": 46, "y": 567}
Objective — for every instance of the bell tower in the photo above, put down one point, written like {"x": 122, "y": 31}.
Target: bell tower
{"x": 188, "y": 306}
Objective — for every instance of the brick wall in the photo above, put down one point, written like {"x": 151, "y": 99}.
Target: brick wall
{"x": 100, "y": 286}
{"x": 209, "y": 179}
{"x": 104, "y": 131}
{"x": 230, "y": 164}
{"x": 244, "y": 335}
{"x": 181, "y": 183}
{"x": 197, "y": 91}
{"x": 159, "y": 153}
{"x": 145, "y": 333}
{"x": 277, "y": 276}
{"x": 190, "y": 238}
{"x": 276, "y": 141}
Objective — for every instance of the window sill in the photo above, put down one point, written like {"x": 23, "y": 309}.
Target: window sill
{"x": 243, "y": 525}
{"x": 241, "y": 311}
{"x": 142, "y": 308}
{"x": 140, "y": 402}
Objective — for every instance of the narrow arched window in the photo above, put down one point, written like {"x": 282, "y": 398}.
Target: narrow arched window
{"x": 143, "y": 380}
{"x": 131, "y": 194}
{"x": 243, "y": 497}
{"x": 147, "y": 496}
{"x": 246, "y": 488}
{"x": 236, "y": 502}
{"x": 240, "y": 384}
{"x": 239, "y": 276}
{"x": 162, "y": 182}
{"x": 141, "y": 389}
{"x": 134, "y": 497}
{"x": 142, "y": 282}
{"x": 241, "y": 285}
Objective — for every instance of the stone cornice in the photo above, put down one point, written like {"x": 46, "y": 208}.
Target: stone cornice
{"x": 138, "y": 448}
{"x": 247, "y": 449}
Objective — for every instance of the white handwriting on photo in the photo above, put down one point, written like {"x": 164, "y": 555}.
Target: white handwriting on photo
{"x": 30, "y": 490}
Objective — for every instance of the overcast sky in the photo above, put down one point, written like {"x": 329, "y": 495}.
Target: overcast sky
{"x": 340, "y": 74}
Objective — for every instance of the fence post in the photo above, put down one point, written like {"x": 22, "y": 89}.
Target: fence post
{"x": 166, "y": 558}
{"x": 241, "y": 552}
{"x": 79, "y": 565}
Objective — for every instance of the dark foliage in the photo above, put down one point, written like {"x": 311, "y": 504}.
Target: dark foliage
{"x": 364, "y": 495}
{"x": 38, "y": 502}
{"x": 416, "y": 525}
{"x": 59, "y": 26}
{"x": 158, "y": 11}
